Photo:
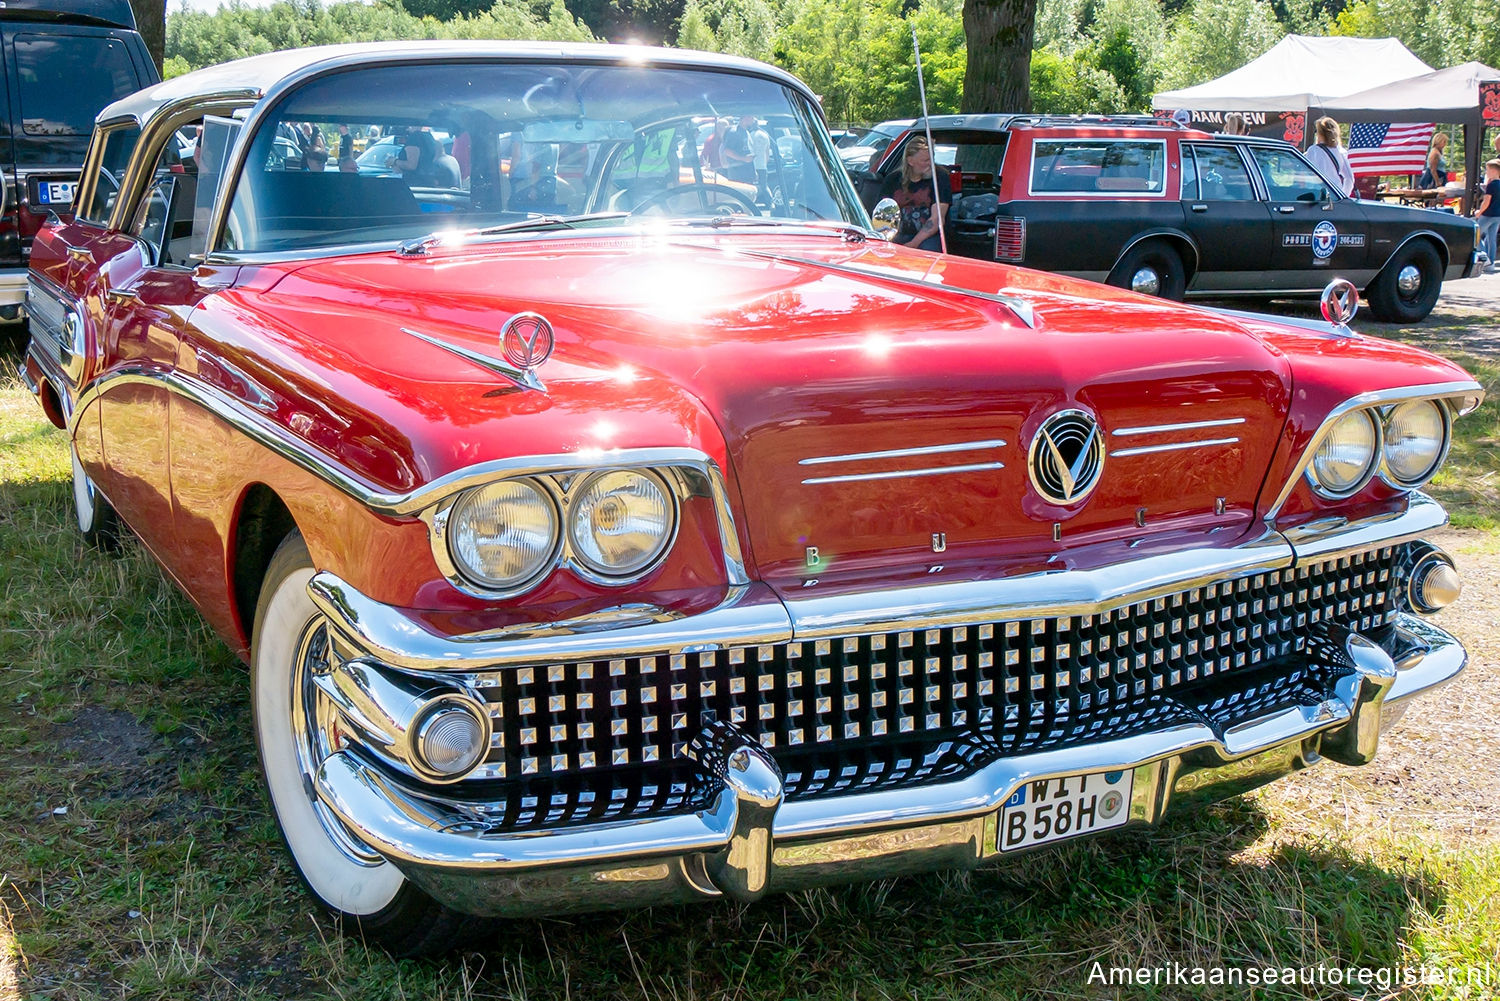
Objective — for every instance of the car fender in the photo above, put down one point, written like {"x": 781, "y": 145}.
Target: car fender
{"x": 1432, "y": 235}
{"x": 1161, "y": 232}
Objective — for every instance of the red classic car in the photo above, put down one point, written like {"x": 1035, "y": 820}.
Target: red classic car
{"x": 644, "y": 538}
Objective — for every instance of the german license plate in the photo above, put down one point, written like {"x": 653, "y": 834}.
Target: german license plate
{"x": 56, "y": 192}
{"x": 1054, "y": 809}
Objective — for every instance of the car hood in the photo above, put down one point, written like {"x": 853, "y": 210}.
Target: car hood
{"x": 875, "y": 411}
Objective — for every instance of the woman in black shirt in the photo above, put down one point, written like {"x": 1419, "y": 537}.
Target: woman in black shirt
{"x": 911, "y": 188}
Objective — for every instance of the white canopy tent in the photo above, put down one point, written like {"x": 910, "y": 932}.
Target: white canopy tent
{"x": 1299, "y": 72}
{"x": 1450, "y": 95}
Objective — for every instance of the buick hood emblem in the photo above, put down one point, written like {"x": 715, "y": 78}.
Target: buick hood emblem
{"x": 1066, "y": 456}
{"x": 526, "y": 340}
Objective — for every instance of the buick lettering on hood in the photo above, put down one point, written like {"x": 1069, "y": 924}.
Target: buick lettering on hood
{"x": 605, "y": 524}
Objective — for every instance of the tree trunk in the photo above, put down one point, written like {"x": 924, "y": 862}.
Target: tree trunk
{"x": 151, "y": 22}
{"x": 998, "y": 34}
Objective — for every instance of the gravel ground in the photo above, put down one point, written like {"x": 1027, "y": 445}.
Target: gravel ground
{"x": 1436, "y": 766}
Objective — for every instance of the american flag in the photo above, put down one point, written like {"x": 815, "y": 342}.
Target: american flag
{"x": 1384, "y": 148}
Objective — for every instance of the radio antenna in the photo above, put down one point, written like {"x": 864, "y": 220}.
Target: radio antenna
{"x": 937, "y": 197}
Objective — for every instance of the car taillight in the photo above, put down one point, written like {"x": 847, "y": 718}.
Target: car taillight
{"x": 1010, "y": 238}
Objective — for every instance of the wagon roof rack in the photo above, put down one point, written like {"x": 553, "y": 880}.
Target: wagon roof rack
{"x": 1006, "y": 120}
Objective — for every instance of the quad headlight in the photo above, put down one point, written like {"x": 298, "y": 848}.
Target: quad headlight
{"x": 1347, "y": 456}
{"x": 503, "y": 535}
{"x": 611, "y": 526}
{"x": 620, "y": 522}
{"x": 1416, "y": 439}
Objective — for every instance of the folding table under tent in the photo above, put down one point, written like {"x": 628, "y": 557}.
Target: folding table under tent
{"x": 1449, "y": 96}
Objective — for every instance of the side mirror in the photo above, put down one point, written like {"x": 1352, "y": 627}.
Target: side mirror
{"x": 886, "y": 217}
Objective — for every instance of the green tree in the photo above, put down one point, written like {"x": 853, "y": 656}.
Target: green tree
{"x": 196, "y": 38}
{"x": 1440, "y": 32}
{"x": 1212, "y": 37}
{"x": 857, "y": 55}
{"x": 739, "y": 27}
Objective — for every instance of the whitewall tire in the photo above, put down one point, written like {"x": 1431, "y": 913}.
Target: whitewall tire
{"x": 353, "y": 884}
{"x": 91, "y": 512}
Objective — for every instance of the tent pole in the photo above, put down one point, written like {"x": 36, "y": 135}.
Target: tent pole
{"x": 1473, "y": 139}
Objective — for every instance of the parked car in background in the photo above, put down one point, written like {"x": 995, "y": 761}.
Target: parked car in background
{"x": 64, "y": 60}
{"x": 665, "y": 546}
{"x": 860, "y": 151}
{"x": 1173, "y": 212}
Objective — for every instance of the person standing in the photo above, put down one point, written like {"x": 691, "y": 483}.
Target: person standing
{"x": 1436, "y": 173}
{"x": 712, "y": 156}
{"x": 1488, "y": 215}
{"x": 735, "y": 152}
{"x": 346, "y": 149}
{"x": 912, "y": 189}
{"x": 760, "y": 159}
{"x": 1234, "y": 124}
{"x": 1329, "y": 156}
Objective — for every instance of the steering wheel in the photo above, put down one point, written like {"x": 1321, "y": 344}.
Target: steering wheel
{"x": 701, "y": 189}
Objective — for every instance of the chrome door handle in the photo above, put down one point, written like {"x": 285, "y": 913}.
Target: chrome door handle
{"x": 81, "y": 254}
{"x": 1286, "y": 209}
{"x": 1200, "y": 207}
{"x": 121, "y": 294}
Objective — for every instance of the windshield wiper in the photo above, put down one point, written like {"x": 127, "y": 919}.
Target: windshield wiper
{"x": 420, "y": 246}
{"x": 848, "y": 230}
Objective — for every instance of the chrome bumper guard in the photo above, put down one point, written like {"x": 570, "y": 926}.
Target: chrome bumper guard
{"x": 749, "y": 839}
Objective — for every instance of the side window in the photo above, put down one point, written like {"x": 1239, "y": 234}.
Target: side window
{"x": 1189, "y": 175}
{"x": 1222, "y": 176}
{"x": 66, "y": 78}
{"x": 119, "y": 143}
{"x": 1289, "y": 178}
{"x": 1098, "y": 166}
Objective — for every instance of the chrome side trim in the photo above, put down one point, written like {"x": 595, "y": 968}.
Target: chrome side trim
{"x": 900, "y": 453}
{"x": 1440, "y": 390}
{"x": 1173, "y": 447}
{"x": 1020, "y": 307}
{"x": 896, "y": 474}
{"x": 746, "y": 615}
{"x": 1185, "y": 426}
{"x": 696, "y": 466}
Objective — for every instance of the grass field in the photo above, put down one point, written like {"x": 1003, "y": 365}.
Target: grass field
{"x": 137, "y": 859}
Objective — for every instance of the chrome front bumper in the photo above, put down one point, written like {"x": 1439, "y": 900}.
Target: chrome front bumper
{"x": 749, "y": 838}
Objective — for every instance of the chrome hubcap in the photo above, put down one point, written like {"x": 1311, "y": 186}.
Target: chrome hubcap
{"x": 316, "y": 731}
{"x": 1409, "y": 279}
{"x": 1145, "y": 281}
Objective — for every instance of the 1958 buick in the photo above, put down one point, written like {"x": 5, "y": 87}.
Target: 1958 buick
{"x": 604, "y": 529}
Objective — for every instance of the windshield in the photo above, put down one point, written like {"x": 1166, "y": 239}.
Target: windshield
{"x": 393, "y": 153}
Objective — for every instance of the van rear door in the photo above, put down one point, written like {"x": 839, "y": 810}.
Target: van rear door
{"x": 59, "y": 77}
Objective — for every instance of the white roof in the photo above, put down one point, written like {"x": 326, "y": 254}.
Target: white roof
{"x": 254, "y": 76}
{"x": 1450, "y": 95}
{"x": 1300, "y": 71}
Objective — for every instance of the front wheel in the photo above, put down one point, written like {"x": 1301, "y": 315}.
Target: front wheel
{"x": 1409, "y": 285}
{"x": 295, "y": 730}
{"x": 1151, "y": 268}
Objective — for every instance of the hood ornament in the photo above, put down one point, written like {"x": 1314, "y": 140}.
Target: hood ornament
{"x": 1066, "y": 457}
{"x": 526, "y": 341}
{"x": 1339, "y": 303}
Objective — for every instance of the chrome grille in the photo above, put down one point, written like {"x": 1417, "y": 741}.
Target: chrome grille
{"x": 873, "y": 709}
